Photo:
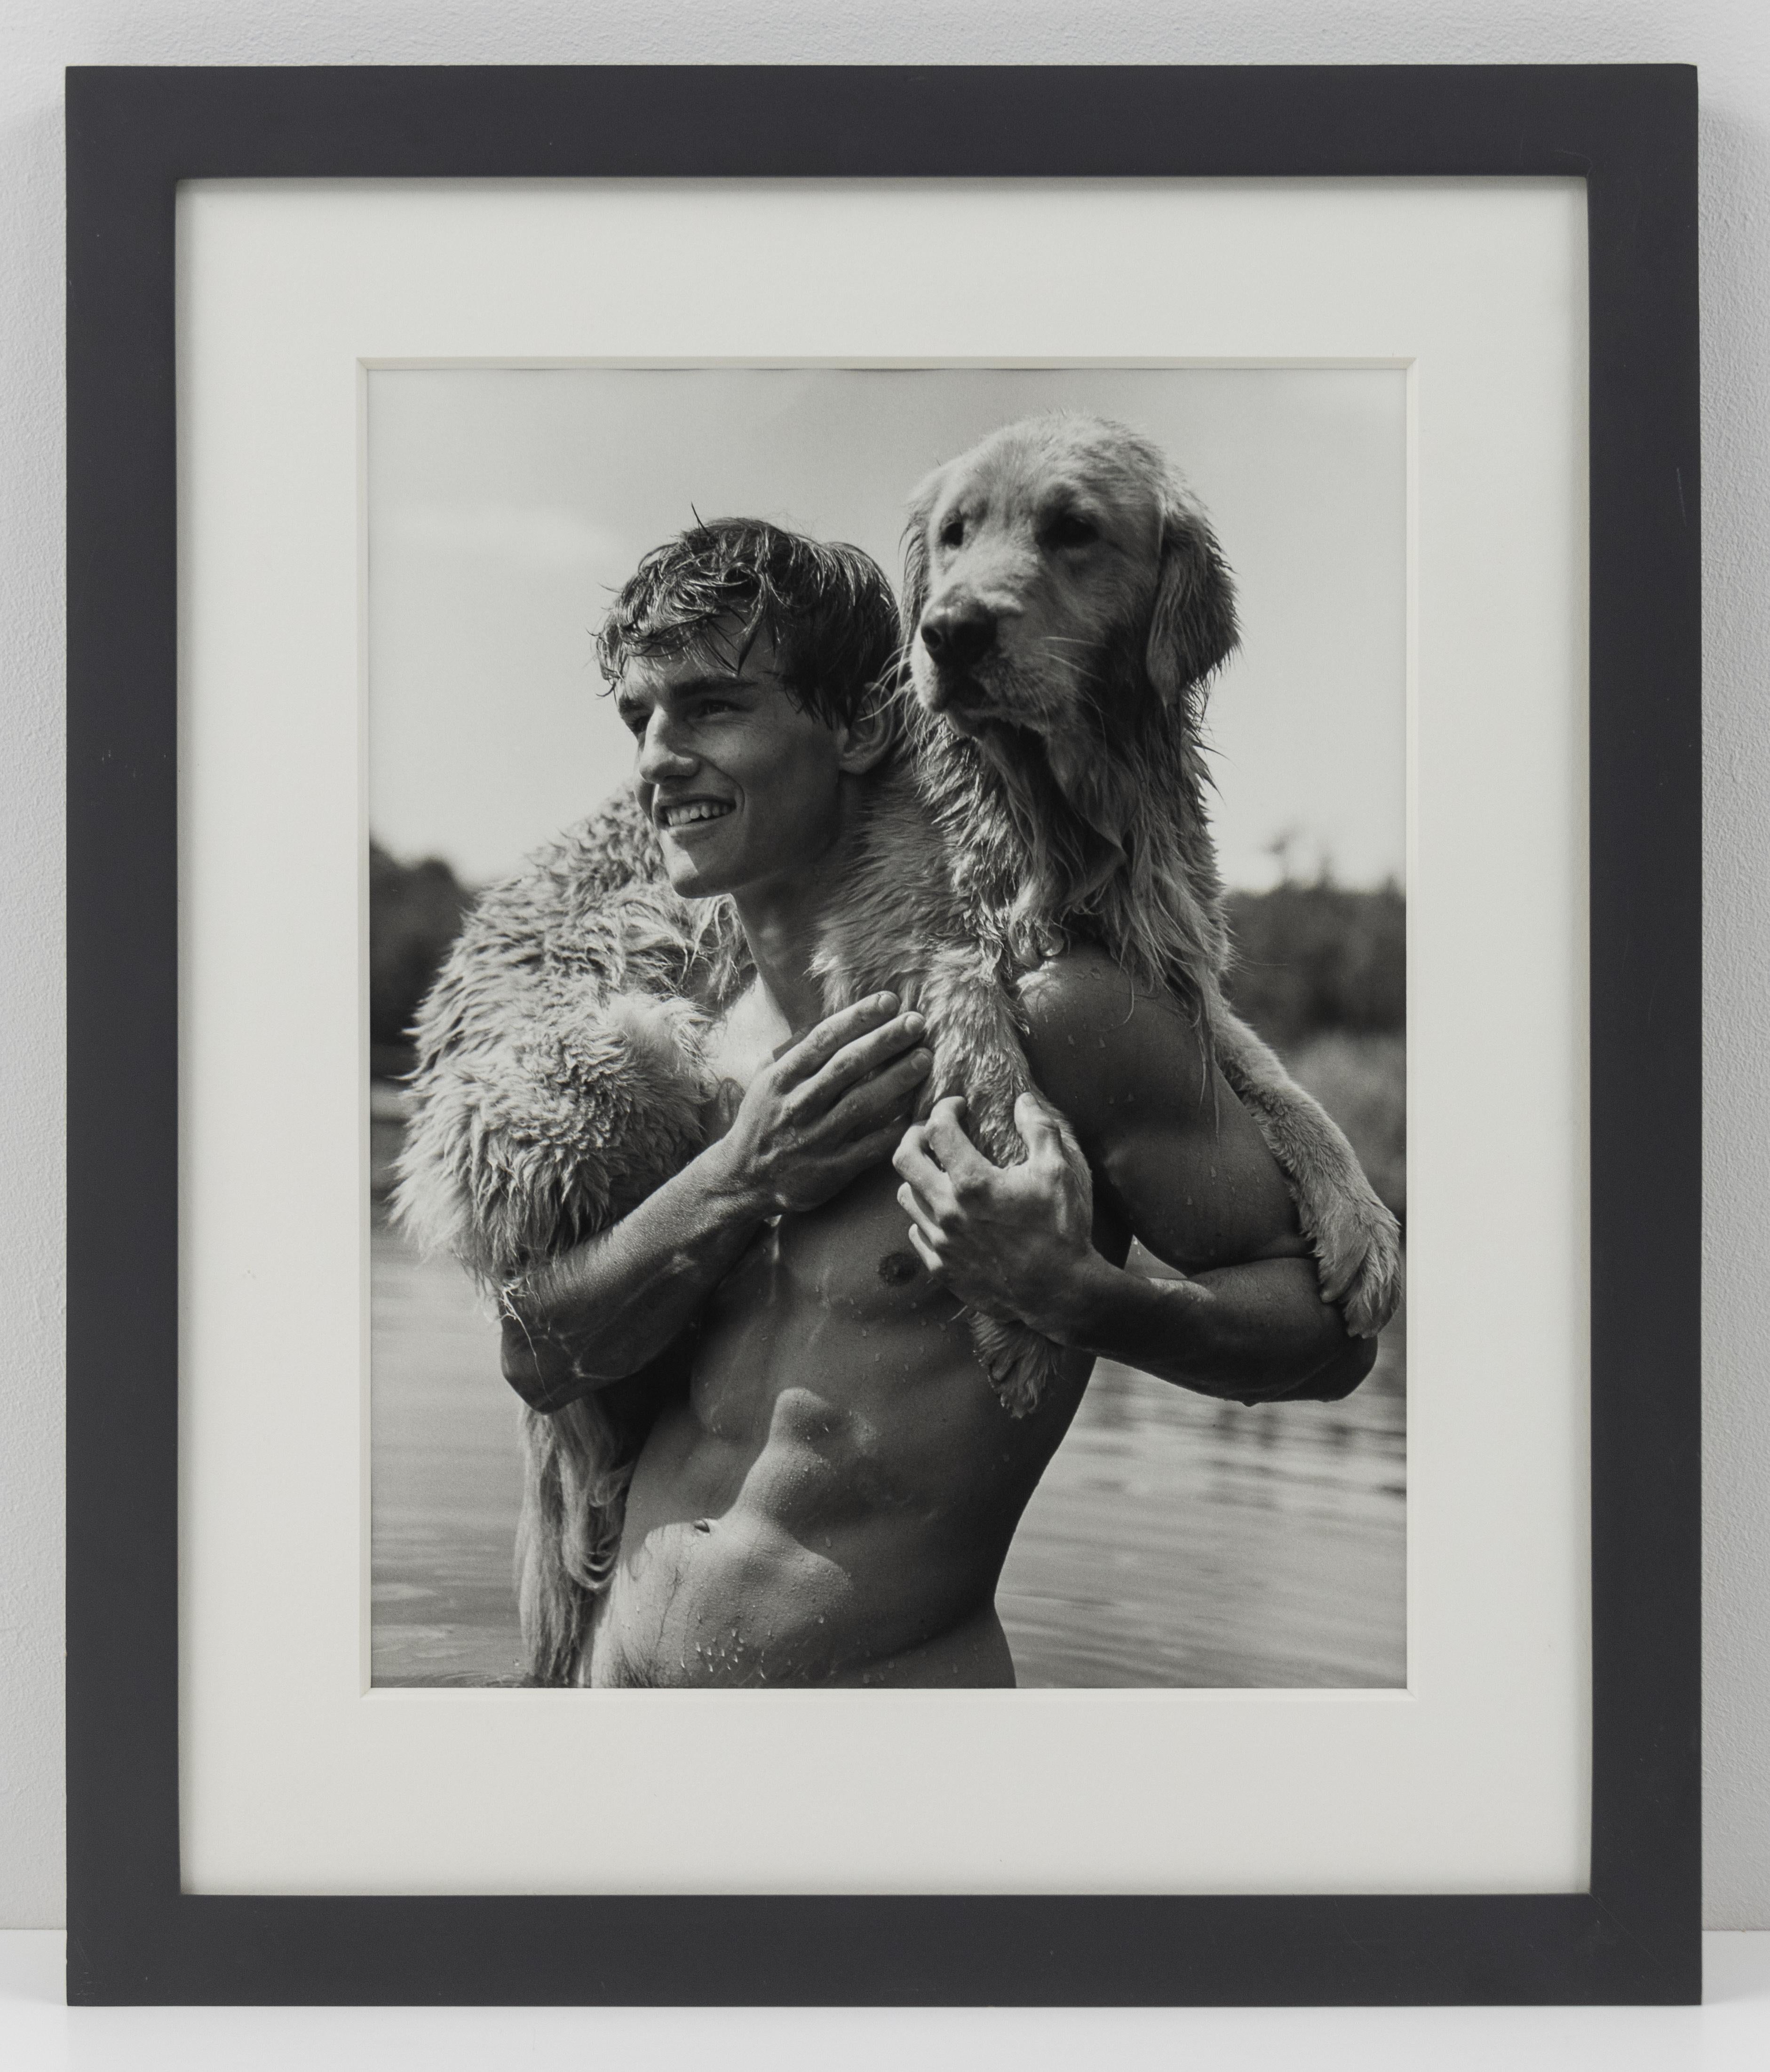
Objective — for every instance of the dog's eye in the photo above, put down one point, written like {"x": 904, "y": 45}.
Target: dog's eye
{"x": 952, "y": 533}
{"x": 1071, "y": 529}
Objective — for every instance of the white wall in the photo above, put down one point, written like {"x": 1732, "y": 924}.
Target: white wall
{"x": 1729, "y": 39}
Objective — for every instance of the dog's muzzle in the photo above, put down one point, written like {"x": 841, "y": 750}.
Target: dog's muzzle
{"x": 956, "y": 638}
{"x": 957, "y": 635}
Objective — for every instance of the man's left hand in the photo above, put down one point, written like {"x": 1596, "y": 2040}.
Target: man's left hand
{"x": 1010, "y": 1241}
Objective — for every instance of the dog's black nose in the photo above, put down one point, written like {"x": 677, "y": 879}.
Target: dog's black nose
{"x": 958, "y": 636}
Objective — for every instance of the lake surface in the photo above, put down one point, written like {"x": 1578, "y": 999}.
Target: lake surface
{"x": 1174, "y": 1539}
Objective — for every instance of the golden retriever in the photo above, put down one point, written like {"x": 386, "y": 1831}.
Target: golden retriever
{"x": 1065, "y": 604}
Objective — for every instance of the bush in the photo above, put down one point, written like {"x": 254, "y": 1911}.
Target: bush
{"x": 415, "y": 913}
{"x": 1322, "y": 973}
{"x": 1360, "y": 1079}
{"x": 1313, "y": 957}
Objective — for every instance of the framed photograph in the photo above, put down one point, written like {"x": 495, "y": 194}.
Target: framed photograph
{"x": 819, "y": 820}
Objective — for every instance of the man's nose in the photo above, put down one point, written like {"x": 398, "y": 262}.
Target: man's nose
{"x": 958, "y": 635}
{"x": 662, "y": 752}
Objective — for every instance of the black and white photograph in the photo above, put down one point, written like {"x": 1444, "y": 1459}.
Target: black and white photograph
{"x": 886, "y": 1035}
{"x": 839, "y": 835}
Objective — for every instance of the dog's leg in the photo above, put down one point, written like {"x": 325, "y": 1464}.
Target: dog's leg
{"x": 1357, "y": 1241}
{"x": 977, "y": 1052}
{"x": 893, "y": 929}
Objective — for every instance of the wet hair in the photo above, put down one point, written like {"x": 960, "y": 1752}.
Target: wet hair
{"x": 827, "y": 608}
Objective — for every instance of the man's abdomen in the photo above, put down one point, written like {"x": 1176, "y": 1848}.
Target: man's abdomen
{"x": 833, "y": 1502}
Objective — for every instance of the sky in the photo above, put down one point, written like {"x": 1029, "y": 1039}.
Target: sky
{"x": 506, "y": 507}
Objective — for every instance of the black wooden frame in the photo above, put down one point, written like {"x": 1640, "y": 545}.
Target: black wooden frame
{"x": 131, "y": 135}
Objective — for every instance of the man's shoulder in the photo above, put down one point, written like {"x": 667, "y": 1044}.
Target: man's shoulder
{"x": 1096, "y": 1040}
{"x": 1085, "y": 992}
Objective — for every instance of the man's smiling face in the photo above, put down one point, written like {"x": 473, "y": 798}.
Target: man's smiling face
{"x": 743, "y": 786}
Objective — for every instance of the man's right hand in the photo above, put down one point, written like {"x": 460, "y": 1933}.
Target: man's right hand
{"x": 815, "y": 1117}
{"x": 828, "y": 1106}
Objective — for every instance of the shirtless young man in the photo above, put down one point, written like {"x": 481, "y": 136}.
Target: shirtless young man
{"x": 830, "y": 1497}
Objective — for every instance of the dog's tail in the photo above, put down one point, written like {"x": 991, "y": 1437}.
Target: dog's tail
{"x": 1020, "y": 1364}
{"x": 577, "y": 1465}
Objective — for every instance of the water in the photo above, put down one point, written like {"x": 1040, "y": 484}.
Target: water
{"x": 1174, "y": 1539}
{"x": 445, "y": 1477}
{"x": 1178, "y": 1540}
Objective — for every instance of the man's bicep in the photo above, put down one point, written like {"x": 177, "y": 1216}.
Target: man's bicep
{"x": 1174, "y": 1154}
{"x": 1199, "y": 1189}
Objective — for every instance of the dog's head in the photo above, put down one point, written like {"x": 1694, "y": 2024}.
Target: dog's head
{"x": 1059, "y": 578}
{"x": 1064, "y": 604}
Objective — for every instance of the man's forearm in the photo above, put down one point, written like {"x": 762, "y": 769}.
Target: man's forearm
{"x": 1254, "y": 1333}
{"x": 605, "y": 1309}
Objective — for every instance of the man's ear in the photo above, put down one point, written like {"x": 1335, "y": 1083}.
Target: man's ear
{"x": 867, "y": 740}
{"x": 923, "y": 499}
{"x": 1191, "y": 625}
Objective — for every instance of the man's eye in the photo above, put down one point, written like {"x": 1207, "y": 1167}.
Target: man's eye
{"x": 952, "y": 533}
{"x": 634, "y": 719}
{"x": 1071, "y": 530}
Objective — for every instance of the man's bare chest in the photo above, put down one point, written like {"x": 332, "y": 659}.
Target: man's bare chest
{"x": 750, "y": 1032}
{"x": 844, "y": 1268}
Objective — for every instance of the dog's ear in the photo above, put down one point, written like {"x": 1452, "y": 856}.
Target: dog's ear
{"x": 923, "y": 499}
{"x": 1192, "y": 626}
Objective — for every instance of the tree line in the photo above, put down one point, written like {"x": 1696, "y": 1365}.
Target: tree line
{"x": 1311, "y": 956}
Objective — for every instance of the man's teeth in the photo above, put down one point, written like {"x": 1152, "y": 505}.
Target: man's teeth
{"x": 697, "y": 809}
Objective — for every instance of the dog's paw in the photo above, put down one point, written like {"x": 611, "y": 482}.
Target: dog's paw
{"x": 1358, "y": 1259}
{"x": 1019, "y": 1363}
